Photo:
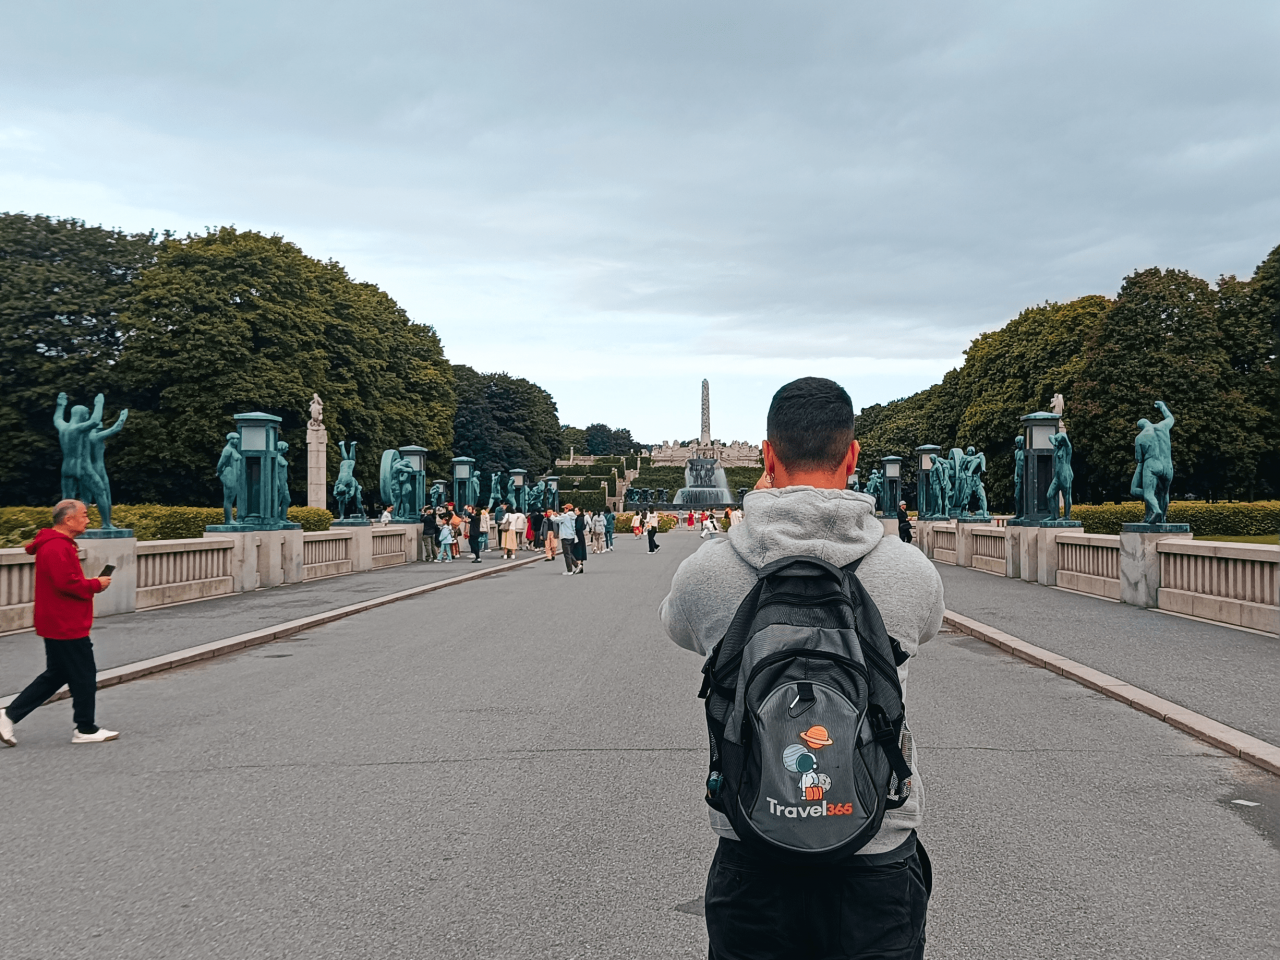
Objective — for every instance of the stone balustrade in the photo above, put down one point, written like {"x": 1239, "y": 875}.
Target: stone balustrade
{"x": 1089, "y": 563}
{"x": 154, "y": 573}
{"x": 1230, "y": 582}
{"x": 176, "y": 571}
{"x": 988, "y": 549}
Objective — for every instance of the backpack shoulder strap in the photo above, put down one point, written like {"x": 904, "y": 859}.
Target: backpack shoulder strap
{"x": 720, "y": 671}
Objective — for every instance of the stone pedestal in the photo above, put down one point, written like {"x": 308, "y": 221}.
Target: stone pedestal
{"x": 122, "y": 552}
{"x": 263, "y": 558}
{"x": 1029, "y": 553}
{"x": 361, "y": 548}
{"x": 414, "y": 551}
{"x": 1013, "y": 551}
{"x": 317, "y": 467}
{"x": 964, "y": 545}
{"x": 1140, "y": 562}
{"x": 1047, "y": 556}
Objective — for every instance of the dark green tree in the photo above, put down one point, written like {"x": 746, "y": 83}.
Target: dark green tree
{"x": 504, "y": 422}
{"x": 575, "y": 439}
{"x": 604, "y": 441}
{"x": 62, "y": 287}
{"x": 231, "y": 322}
{"x": 1163, "y": 340}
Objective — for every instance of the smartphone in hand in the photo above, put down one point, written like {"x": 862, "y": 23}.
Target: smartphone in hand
{"x": 108, "y": 570}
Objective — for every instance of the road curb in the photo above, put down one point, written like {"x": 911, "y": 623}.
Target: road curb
{"x": 218, "y": 648}
{"x": 1258, "y": 752}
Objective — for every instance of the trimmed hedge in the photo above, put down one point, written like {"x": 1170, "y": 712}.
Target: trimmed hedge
{"x": 592, "y": 500}
{"x": 149, "y": 521}
{"x": 1206, "y": 519}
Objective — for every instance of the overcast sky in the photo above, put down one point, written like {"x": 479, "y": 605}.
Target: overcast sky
{"x": 619, "y": 199}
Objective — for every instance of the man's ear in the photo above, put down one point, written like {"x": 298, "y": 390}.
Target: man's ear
{"x": 851, "y": 459}
{"x": 770, "y": 458}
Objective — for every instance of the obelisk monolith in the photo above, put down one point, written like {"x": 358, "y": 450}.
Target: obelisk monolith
{"x": 706, "y": 413}
{"x": 317, "y": 449}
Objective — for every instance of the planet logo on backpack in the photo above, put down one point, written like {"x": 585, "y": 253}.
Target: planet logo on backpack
{"x": 797, "y": 759}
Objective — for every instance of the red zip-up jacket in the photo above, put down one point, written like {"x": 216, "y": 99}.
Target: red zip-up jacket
{"x": 64, "y": 598}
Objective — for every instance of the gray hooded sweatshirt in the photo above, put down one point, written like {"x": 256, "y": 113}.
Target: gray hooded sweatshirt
{"x": 838, "y": 526}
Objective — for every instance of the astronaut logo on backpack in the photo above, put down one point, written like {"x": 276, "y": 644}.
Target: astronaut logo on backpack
{"x": 804, "y": 761}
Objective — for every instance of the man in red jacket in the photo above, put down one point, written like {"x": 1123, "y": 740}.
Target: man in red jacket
{"x": 63, "y": 616}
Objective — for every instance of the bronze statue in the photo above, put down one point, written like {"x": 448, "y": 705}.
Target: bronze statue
{"x": 1019, "y": 463}
{"x": 231, "y": 472}
{"x": 96, "y": 485}
{"x": 972, "y": 467}
{"x": 1062, "y": 477}
{"x": 346, "y": 490}
{"x": 282, "y": 481}
{"x": 1153, "y": 450}
{"x": 73, "y": 436}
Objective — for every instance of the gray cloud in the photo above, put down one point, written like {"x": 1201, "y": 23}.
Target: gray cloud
{"x": 796, "y": 179}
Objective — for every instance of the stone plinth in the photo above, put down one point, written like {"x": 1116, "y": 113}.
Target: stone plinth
{"x": 317, "y": 467}
{"x": 1046, "y": 556}
{"x": 122, "y": 552}
{"x": 262, "y": 558}
{"x": 1029, "y": 553}
{"x": 1013, "y": 550}
{"x": 1140, "y": 561}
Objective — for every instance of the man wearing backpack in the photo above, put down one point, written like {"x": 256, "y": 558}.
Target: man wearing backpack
{"x": 809, "y": 614}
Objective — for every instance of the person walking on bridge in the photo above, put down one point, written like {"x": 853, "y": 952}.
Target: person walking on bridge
{"x": 63, "y": 617}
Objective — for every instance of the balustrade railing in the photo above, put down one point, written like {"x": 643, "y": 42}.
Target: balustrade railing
{"x": 1236, "y": 583}
{"x": 175, "y": 571}
{"x": 17, "y": 588}
{"x": 1089, "y": 563}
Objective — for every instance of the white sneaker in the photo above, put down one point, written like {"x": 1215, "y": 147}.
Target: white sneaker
{"x": 6, "y": 730}
{"x": 567, "y": 573}
{"x": 102, "y": 736}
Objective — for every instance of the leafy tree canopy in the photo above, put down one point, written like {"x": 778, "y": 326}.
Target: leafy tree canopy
{"x": 504, "y": 422}
{"x": 231, "y": 322}
{"x": 62, "y": 287}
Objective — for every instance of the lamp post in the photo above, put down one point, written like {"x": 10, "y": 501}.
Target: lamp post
{"x": 462, "y": 468}
{"x": 553, "y": 493}
{"x": 892, "y": 485}
{"x": 517, "y": 481}
{"x": 1037, "y": 466}
{"x": 925, "y": 506}
{"x": 258, "y": 502}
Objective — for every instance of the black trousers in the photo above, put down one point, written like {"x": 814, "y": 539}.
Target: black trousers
{"x": 761, "y": 910}
{"x": 67, "y": 662}
{"x": 653, "y": 539}
{"x": 569, "y": 562}
{"x": 474, "y": 544}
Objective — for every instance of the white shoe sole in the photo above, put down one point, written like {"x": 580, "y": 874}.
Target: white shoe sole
{"x": 94, "y": 738}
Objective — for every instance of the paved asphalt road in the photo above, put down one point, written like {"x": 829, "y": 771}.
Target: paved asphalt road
{"x": 1229, "y": 675}
{"x": 131, "y": 637}
{"x": 513, "y": 768}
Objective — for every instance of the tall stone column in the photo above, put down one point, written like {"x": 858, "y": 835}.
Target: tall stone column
{"x": 706, "y": 414}
{"x": 317, "y": 452}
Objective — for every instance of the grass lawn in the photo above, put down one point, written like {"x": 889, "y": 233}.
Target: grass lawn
{"x": 1273, "y": 538}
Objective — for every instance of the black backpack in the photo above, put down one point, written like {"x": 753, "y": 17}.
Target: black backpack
{"x": 805, "y": 715}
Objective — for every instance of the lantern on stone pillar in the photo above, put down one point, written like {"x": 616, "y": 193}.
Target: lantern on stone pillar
{"x": 417, "y": 457}
{"x": 462, "y": 470}
{"x": 517, "y": 481}
{"x": 926, "y": 509}
{"x": 258, "y": 505}
{"x": 892, "y": 485}
{"x": 553, "y": 493}
{"x": 1037, "y": 466}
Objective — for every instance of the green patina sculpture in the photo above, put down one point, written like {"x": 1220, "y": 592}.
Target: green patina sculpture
{"x": 231, "y": 472}
{"x": 1062, "y": 477}
{"x": 875, "y": 486}
{"x": 282, "y": 481}
{"x": 495, "y": 490}
{"x": 83, "y": 441}
{"x": 346, "y": 489}
{"x": 940, "y": 482}
{"x": 1153, "y": 450}
{"x": 536, "y": 496}
{"x": 1019, "y": 461}
{"x": 972, "y": 467}
{"x": 472, "y": 493}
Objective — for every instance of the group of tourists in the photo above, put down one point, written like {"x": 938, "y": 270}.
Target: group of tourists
{"x": 710, "y": 523}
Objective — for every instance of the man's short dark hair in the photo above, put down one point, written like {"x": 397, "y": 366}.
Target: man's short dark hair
{"x": 65, "y": 508}
{"x": 811, "y": 424}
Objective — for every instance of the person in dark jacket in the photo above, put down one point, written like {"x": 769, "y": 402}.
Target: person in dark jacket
{"x": 473, "y": 531}
{"x": 904, "y": 523}
{"x": 430, "y": 531}
{"x": 580, "y": 543}
{"x": 63, "y": 616}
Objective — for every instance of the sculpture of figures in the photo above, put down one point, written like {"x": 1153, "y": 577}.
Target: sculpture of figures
{"x": 633, "y": 495}
{"x": 1057, "y": 406}
{"x": 346, "y": 489}
{"x": 282, "y": 481}
{"x": 96, "y": 486}
{"x": 73, "y": 435}
{"x": 512, "y": 497}
{"x": 317, "y": 413}
{"x": 662, "y": 495}
{"x": 1019, "y": 461}
{"x": 1153, "y": 450}
{"x": 954, "y": 460}
{"x": 439, "y": 490}
{"x": 875, "y": 486}
{"x": 972, "y": 467}
{"x": 402, "y": 487}
{"x": 495, "y": 490}
{"x": 231, "y": 472}
{"x": 1062, "y": 476}
{"x": 472, "y": 494}
{"x": 536, "y": 497}
{"x": 854, "y": 484}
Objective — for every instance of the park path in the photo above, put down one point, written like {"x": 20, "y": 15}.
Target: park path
{"x": 512, "y": 768}
{"x": 1232, "y": 676}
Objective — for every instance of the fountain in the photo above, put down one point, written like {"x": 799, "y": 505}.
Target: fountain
{"x": 705, "y": 485}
